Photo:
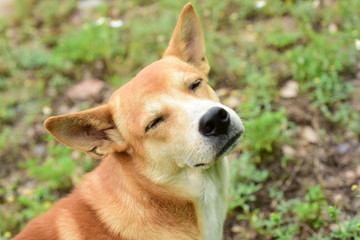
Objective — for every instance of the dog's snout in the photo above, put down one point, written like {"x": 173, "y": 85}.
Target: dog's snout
{"x": 215, "y": 122}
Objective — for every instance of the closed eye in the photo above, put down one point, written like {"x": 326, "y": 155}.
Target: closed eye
{"x": 154, "y": 123}
{"x": 195, "y": 85}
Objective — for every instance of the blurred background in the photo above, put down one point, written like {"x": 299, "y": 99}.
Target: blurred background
{"x": 291, "y": 69}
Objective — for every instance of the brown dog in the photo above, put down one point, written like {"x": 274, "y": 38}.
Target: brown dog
{"x": 163, "y": 137}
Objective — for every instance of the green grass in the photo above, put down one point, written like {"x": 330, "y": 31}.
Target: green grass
{"x": 46, "y": 47}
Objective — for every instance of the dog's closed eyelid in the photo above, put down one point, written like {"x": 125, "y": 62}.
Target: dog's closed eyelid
{"x": 154, "y": 123}
{"x": 196, "y": 84}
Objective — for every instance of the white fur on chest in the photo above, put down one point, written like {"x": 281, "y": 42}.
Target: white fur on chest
{"x": 209, "y": 187}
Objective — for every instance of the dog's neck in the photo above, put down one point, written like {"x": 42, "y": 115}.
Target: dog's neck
{"x": 116, "y": 191}
{"x": 209, "y": 189}
{"x": 206, "y": 189}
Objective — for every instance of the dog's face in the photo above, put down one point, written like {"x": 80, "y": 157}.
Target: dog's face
{"x": 174, "y": 117}
{"x": 167, "y": 117}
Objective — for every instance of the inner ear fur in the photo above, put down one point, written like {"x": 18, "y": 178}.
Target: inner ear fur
{"x": 187, "y": 42}
{"x": 92, "y": 131}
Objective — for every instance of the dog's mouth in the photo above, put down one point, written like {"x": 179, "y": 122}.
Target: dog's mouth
{"x": 229, "y": 145}
{"x": 199, "y": 165}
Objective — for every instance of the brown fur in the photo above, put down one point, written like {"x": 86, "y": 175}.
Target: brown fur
{"x": 151, "y": 208}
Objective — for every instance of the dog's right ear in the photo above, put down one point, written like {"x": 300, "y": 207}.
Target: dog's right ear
{"x": 92, "y": 131}
{"x": 187, "y": 42}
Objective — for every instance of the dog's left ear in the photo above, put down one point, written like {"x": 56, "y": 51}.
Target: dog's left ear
{"x": 92, "y": 131}
{"x": 187, "y": 41}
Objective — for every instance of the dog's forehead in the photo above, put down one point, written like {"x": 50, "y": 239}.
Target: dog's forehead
{"x": 143, "y": 96}
{"x": 158, "y": 78}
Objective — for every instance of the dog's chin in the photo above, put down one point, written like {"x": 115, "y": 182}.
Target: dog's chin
{"x": 226, "y": 148}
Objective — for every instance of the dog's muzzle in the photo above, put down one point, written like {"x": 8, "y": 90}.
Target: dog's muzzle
{"x": 216, "y": 126}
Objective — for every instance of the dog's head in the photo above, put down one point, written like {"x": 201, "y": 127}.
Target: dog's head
{"x": 167, "y": 117}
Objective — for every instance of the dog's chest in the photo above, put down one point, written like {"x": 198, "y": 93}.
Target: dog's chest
{"x": 209, "y": 187}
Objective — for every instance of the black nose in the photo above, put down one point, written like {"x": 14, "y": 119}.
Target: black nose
{"x": 215, "y": 122}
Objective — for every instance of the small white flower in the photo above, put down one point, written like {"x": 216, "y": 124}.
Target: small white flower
{"x": 357, "y": 44}
{"x": 89, "y": 4}
{"x": 332, "y": 28}
{"x": 100, "y": 21}
{"x": 116, "y": 23}
{"x": 46, "y": 110}
{"x": 260, "y": 4}
{"x": 316, "y": 3}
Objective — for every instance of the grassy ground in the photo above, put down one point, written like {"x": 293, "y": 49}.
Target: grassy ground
{"x": 290, "y": 68}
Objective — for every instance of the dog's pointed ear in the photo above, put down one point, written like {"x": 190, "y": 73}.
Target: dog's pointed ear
{"x": 187, "y": 41}
{"x": 92, "y": 131}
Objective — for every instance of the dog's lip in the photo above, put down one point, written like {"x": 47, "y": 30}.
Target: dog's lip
{"x": 229, "y": 144}
{"x": 199, "y": 165}
{"x": 203, "y": 165}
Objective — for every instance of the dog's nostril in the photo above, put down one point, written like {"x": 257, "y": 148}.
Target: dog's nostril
{"x": 215, "y": 122}
{"x": 209, "y": 127}
{"x": 224, "y": 115}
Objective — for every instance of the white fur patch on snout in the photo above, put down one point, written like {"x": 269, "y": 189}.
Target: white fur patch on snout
{"x": 204, "y": 150}
{"x": 198, "y": 108}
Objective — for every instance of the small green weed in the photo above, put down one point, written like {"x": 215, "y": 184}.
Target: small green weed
{"x": 248, "y": 180}
{"x": 31, "y": 57}
{"x": 58, "y": 169}
{"x": 311, "y": 209}
{"x": 274, "y": 124}
{"x": 92, "y": 42}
